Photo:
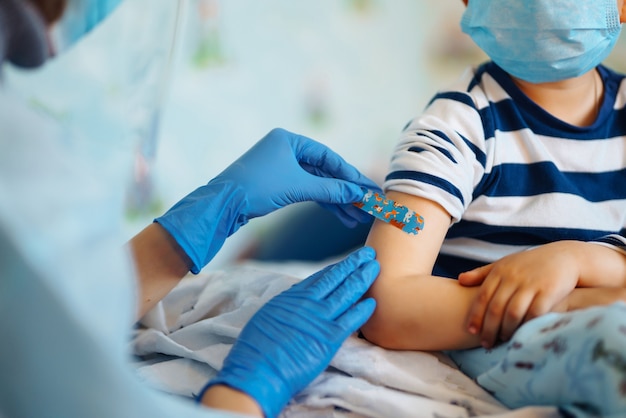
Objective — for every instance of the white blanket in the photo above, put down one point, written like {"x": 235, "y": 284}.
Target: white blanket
{"x": 187, "y": 337}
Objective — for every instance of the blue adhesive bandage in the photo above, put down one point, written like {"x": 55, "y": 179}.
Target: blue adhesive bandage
{"x": 387, "y": 210}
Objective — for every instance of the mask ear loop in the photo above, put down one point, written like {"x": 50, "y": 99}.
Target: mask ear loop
{"x": 140, "y": 197}
{"x": 597, "y": 92}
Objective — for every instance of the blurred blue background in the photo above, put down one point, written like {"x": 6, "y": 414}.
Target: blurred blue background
{"x": 348, "y": 73}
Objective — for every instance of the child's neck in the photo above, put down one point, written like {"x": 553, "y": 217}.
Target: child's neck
{"x": 576, "y": 101}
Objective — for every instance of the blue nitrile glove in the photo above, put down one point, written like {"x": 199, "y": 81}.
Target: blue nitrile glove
{"x": 293, "y": 337}
{"x": 281, "y": 169}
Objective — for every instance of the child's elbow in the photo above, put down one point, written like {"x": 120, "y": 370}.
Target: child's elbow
{"x": 425, "y": 313}
{"x": 380, "y": 331}
{"x": 389, "y": 329}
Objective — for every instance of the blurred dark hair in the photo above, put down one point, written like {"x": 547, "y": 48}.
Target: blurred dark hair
{"x": 51, "y": 10}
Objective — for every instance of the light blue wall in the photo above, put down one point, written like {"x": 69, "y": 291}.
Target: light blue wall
{"x": 349, "y": 73}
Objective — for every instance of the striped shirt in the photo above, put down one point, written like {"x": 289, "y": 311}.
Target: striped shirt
{"x": 511, "y": 175}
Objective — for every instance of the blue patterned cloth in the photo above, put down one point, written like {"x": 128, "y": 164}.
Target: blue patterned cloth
{"x": 574, "y": 360}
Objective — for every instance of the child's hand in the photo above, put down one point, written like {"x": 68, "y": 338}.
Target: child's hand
{"x": 517, "y": 288}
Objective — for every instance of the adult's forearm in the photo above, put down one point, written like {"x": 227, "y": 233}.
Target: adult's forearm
{"x": 420, "y": 313}
{"x": 160, "y": 265}
{"x": 228, "y": 399}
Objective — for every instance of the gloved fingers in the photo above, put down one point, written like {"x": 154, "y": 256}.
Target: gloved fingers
{"x": 357, "y": 214}
{"x": 356, "y": 316}
{"x": 352, "y": 289}
{"x": 341, "y": 214}
{"x": 306, "y": 283}
{"x": 349, "y": 214}
{"x": 327, "y": 190}
{"x": 319, "y": 160}
{"x": 319, "y": 156}
{"x": 345, "y": 219}
{"x": 345, "y": 175}
{"x": 329, "y": 304}
{"x": 324, "y": 284}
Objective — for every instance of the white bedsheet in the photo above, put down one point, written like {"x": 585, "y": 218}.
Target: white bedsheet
{"x": 190, "y": 332}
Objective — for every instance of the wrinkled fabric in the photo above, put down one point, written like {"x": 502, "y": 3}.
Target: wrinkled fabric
{"x": 573, "y": 360}
{"x": 185, "y": 339}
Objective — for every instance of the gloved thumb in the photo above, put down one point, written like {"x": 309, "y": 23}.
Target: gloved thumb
{"x": 333, "y": 191}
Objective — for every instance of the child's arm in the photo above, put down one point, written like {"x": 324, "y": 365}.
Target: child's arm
{"x": 416, "y": 310}
{"x": 421, "y": 312}
{"x": 586, "y": 297}
{"x": 528, "y": 284}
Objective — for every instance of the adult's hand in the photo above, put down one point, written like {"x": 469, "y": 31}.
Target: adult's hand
{"x": 293, "y": 337}
{"x": 285, "y": 168}
{"x": 281, "y": 169}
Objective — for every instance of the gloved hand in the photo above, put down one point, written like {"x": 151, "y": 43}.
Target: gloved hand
{"x": 281, "y": 169}
{"x": 293, "y": 337}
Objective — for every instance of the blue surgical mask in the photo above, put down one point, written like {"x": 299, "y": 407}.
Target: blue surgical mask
{"x": 544, "y": 40}
{"x": 79, "y": 18}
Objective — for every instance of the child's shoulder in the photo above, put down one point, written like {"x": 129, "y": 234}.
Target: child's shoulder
{"x": 610, "y": 74}
{"x": 476, "y": 87}
{"x": 611, "y": 78}
{"x": 614, "y": 88}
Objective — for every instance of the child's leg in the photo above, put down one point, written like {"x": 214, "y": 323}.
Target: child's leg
{"x": 576, "y": 361}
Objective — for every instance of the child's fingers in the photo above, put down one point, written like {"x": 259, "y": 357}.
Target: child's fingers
{"x": 475, "y": 277}
{"x": 476, "y": 314}
{"x": 541, "y": 305}
{"x": 515, "y": 315}
{"x": 495, "y": 313}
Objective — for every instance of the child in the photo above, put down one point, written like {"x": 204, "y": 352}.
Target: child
{"x": 519, "y": 171}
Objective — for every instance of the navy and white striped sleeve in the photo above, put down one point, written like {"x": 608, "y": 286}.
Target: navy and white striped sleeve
{"x": 441, "y": 155}
{"x": 615, "y": 241}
